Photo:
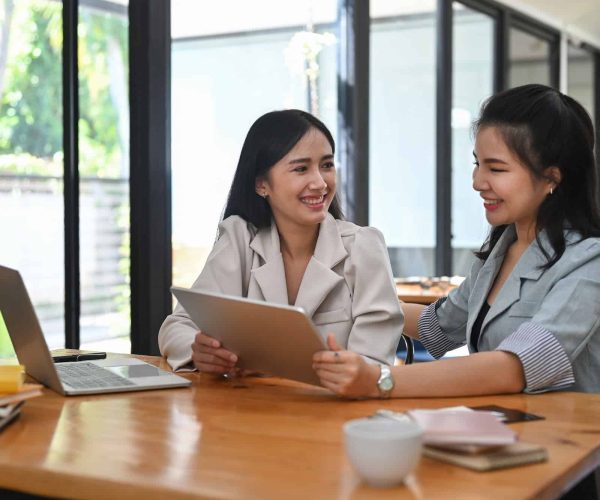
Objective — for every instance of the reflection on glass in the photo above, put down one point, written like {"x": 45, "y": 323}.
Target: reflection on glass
{"x": 31, "y": 168}
{"x": 402, "y": 134}
{"x": 104, "y": 177}
{"x": 529, "y": 59}
{"x": 472, "y": 83}
{"x": 226, "y": 72}
{"x": 580, "y": 79}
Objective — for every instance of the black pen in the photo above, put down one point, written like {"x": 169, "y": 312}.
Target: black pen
{"x": 79, "y": 357}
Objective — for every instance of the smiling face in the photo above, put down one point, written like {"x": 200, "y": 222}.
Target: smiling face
{"x": 300, "y": 187}
{"x": 511, "y": 194}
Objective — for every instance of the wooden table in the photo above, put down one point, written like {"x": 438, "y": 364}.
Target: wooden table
{"x": 416, "y": 294}
{"x": 263, "y": 438}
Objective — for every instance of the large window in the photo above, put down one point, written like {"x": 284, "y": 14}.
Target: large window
{"x": 232, "y": 61}
{"x": 226, "y": 72}
{"x": 104, "y": 178}
{"x": 31, "y": 168}
{"x": 580, "y": 77}
{"x": 402, "y": 132}
{"x": 529, "y": 59}
{"x": 32, "y": 209}
{"x": 473, "y": 72}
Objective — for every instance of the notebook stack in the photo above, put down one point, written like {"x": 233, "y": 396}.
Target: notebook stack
{"x": 14, "y": 392}
{"x": 476, "y": 440}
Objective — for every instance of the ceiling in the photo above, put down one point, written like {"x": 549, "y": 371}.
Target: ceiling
{"x": 580, "y": 19}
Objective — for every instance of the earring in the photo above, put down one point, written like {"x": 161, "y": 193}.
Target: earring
{"x": 551, "y": 190}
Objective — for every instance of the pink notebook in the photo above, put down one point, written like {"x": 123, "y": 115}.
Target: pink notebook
{"x": 446, "y": 427}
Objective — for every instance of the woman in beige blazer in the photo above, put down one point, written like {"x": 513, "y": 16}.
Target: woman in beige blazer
{"x": 529, "y": 310}
{"x": 283, "y": 240}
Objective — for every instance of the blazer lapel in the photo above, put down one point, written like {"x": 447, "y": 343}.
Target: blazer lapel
{"x": 528, "y": 267}
{"x": 270, "y": 277}
{"x": 319, "y": 279}
{"x": 486, "y": 277}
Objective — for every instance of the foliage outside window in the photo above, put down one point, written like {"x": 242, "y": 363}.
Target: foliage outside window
{"x": 31, "y": 143}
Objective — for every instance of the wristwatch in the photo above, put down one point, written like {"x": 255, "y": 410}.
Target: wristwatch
{"x": 385, "y": 384}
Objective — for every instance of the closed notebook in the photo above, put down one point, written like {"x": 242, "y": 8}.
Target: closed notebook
{"x": 446, "y": 427}
{"x": 511, "y": 455}
{"x": 11, "y": 417}
{"x": 26, "y": 392}
{"x": 8, "y": 410}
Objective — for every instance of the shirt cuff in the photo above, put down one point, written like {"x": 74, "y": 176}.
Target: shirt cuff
{"x": 186, "y": 368}
{"x": 181, "y": 365}
{"x": 545, "y": 362}
{"x": 431, "y": 334}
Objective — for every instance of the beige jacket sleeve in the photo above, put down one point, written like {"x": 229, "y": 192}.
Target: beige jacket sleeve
{"x": 226, "y": 271}
{"x": 376, "y": 312}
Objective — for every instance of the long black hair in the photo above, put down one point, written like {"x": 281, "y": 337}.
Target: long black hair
{"x": 546, "y": 128}
{"x": 269, "y": 139}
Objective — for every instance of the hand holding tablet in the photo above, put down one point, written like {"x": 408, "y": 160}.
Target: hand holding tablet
{"x": 276, "y": 339}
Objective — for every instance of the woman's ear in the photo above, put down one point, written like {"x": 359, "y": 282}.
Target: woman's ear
{"x": 554, "y": 176}
{"x": 260, "y": 186}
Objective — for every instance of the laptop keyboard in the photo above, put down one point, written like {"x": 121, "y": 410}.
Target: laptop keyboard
{"x": 82, "y": 375}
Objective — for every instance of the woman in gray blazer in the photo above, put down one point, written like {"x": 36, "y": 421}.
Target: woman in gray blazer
{"x": 283, "y": 240}
{"x": 529, "y": 309}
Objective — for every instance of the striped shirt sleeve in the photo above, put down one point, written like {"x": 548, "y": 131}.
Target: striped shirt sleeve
{"x": 431, "y": 334}
{"x": 545, "y": 362}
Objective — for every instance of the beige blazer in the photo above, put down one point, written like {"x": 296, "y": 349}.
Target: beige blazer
{"x": 347, "y": 288}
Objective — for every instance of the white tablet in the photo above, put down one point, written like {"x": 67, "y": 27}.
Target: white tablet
{"x": 274, "y": 339}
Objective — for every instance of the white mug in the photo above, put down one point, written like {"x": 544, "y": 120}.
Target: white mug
{"x": 383, "y": 451}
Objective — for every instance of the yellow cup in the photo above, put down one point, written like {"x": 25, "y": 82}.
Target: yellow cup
{"x": 11, "y": 378}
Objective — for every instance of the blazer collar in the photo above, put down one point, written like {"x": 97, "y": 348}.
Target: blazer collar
{"x": 270, "y": 276}
{"x": 487, "y": 275}
{"x": 528, "y": 267}
{"x": 266, "y": 242}
{"x": 330, "y": 249}
{"x": 319, "y": 278}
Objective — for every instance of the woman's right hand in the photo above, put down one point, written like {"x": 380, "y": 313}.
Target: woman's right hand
{"x": 345, "y": 373}
{"x": 209, "y": 356}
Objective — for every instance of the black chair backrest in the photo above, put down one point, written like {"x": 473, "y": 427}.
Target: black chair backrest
{"x": 410, "y": 349}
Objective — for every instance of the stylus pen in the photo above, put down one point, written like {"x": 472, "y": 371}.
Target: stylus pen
{"x": 79, "y": 357}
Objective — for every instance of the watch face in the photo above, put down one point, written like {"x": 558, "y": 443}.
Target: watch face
{"x": 386, "y": 384}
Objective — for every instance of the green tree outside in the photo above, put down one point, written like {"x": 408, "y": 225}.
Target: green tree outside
{"x": 31, "y": 102}
{"x": 6, "y": 348}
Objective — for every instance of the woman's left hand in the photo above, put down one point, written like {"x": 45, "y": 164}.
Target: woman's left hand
{"x": 344, "y": 372}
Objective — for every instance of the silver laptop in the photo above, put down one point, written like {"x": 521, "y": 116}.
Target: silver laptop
{"x": 72, "y": 378}
{"x": 275, "y": 339}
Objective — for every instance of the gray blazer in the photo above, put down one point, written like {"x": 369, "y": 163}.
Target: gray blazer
{"x": 347, "y": 288}
{"x": 549, "y": 318}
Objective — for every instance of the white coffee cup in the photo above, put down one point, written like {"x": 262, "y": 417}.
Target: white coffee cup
{"x": 383, "y": 451}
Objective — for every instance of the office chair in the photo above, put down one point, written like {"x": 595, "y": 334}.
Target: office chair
{"x": 410, "y": 349}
